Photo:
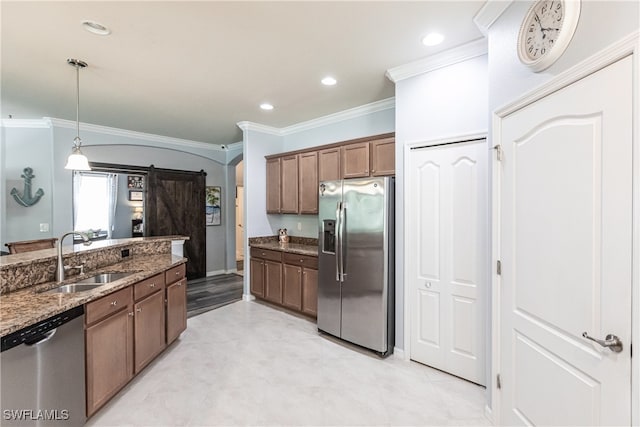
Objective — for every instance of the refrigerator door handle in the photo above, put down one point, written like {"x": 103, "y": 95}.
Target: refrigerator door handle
{"x": 343, "y": 211}
{"x": 338, "y": 250}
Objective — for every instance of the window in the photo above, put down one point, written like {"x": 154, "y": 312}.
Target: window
{"x": 94, "y": 201}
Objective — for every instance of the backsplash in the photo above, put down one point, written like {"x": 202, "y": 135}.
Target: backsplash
{"x": 308, "y": 224}
{"x": 27, "y": 271}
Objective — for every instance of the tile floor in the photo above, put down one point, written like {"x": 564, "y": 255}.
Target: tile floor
{"x": 250, "y": 364}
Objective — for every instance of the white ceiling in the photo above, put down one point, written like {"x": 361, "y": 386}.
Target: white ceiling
{"x": 192, "y": 70}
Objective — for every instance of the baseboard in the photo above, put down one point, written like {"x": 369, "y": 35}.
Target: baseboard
{"x": 248, "y": 297}
{"x": 398, "y": 353}
{"x": 488, "y": 413}
{"x": 219, "y": 272}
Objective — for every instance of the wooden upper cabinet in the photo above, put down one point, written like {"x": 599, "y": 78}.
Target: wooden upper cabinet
{"x": 289, "y": 187}
{"x": 308, "y": 182}
{"x": 273, "y": 185}
{"x": 355, "y": 160}
{"x": 329, "y": 164}
{"x": 383, "y": 157}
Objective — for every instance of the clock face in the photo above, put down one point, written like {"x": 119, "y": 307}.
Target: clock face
{"x": 546, "y": 32}
{"x": 543, "y": 28}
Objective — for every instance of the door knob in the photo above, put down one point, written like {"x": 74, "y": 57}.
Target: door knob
{"x": 610, "y": 341}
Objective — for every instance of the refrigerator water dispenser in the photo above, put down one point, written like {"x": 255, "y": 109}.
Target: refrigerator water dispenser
{"x": 329, "y": 236}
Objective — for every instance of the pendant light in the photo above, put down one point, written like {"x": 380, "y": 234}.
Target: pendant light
{"x": 77, "y": 160}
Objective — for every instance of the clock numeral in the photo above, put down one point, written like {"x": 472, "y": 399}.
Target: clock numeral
{"x": 559, "y": 6}
{"x": 529, "y": 39}
{"x": 530, "y": 49}
{"x": 543, "y": 51}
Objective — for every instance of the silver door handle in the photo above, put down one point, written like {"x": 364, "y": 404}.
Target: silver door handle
{"x": 337, "y": 242}
{"x": 610, "y": 341}
{"x": 342, "y": 260}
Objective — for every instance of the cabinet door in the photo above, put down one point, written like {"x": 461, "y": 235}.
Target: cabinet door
{"x": 383, "y": 157}
{"x": 176, "y": 309}
{"x": 308, "y": 182}
{"x": 289, "y": 184}
{"x": 149, "y": 329}
{"x": 355, "y": 160}
{"x": 292, "y": 284}
{"x": 257, "y": 277}
{"x": 109, "y": 357}
{"x": 273, "y": 185}
{"x": 329, "y": 165}
{"x": 273, "y": 281}
{"x": 310, "y": 291}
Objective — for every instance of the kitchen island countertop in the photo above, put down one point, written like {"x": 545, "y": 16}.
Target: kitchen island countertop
{"x": 27, "y": 306}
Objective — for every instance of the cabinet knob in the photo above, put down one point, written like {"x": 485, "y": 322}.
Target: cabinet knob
{"x": 152, "y": 285}
{"x": 301, "y": 260}
{"x": 131, "y": 313}
{"x": 114, "y": 303}
{"x": 177, "y": 273}
{"x": 138, "y": 310}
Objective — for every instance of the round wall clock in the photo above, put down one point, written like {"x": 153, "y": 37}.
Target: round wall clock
{"x": 546, "y": 32}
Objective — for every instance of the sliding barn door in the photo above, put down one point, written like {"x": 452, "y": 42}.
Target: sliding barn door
{"x": 175, "y": 206}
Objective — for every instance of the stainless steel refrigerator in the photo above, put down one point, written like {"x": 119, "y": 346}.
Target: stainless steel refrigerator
{"x": 356, "y": 261}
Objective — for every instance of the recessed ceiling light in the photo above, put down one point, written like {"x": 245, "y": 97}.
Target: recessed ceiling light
{"x": 329, "y": 81}
{"x": 96, "y": 28}
{"x": 432, "y": 39}
{"x": 266, "y": 106}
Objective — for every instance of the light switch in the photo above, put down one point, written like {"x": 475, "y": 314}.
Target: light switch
{"x": 44, "y": 227}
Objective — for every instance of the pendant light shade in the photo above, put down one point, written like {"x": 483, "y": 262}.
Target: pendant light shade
{"x": 77, "y": 160}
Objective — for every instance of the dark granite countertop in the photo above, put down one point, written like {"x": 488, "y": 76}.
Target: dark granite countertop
{"x": 296, "y": 245}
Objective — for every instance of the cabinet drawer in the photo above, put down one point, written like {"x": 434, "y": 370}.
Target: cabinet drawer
{"x": 174, "y": 274}
{"x": 266, "y": 254}
{"x": 96, "y": 310}
{"x": 301, "y": 260}
{"x": 148, "y": 286}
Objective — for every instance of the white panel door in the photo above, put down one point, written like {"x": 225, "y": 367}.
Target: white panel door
{"x": 447, "y": 256}
{"x": 565, "y": 237}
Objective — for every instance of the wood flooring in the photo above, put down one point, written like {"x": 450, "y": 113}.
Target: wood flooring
{"x": 212, "y": 292}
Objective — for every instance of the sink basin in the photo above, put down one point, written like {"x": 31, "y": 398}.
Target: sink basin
{"x": 72, "y": 288}
{"x": 103, "y": 278}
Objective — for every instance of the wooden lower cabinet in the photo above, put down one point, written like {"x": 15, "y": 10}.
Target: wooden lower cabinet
{"x": 310, "y": 292}
{"x": 149, "y": 329}
{"x": 273, "y": 281}
{"x": 109, "y": 357}
{"x": 291, "y": 282}
{"x": 176, "y": 309}
{"x": 126, "y": 330}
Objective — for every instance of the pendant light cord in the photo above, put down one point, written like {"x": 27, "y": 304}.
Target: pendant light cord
{"x": 77, "y": 141}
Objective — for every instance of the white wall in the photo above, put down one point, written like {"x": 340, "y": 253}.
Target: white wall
{"x": 21, "y": 148}
{"x": 446, "y": 102}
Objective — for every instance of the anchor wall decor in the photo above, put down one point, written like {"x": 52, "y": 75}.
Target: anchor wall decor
{"x": 26, "y": 199}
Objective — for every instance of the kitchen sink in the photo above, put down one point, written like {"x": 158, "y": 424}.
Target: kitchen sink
{"x": 103, "y": 278}
{"x": 89, "y": 283}
{"x": 73, "y": 287}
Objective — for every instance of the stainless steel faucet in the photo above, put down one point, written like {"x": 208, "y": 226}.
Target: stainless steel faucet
{"x": 61, "y": 267}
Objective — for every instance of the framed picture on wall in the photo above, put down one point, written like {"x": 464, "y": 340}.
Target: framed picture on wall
{"x": 136, "y": 195}
{"x": 135, "y": 182}
{"x": 213, "y": 206}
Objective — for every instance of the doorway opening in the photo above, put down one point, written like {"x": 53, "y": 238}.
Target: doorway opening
{"x": 240, "y": 217}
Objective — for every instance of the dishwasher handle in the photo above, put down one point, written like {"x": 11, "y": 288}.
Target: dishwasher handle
{"x": 40, "y": 338}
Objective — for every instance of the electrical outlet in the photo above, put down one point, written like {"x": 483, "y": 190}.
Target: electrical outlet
{"x": 299, "y": 226}
{"x": 124, "y": 253}
{"x": 44, "y": 227}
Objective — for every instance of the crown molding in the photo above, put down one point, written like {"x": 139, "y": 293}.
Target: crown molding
{"x": 384, "y": 104}
{"x": 26, "y": 123}
{"x": 351, "y": 113}
{"x": 87, "y": 127}
{"x": 245, "y": 126}
{"x": 440, "y": 60}
{"x": 235, "y": 146}
{"x": 489, "y": 13}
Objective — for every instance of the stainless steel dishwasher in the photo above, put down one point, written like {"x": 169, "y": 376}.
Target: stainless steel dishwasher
{"x": 42, "y": 367}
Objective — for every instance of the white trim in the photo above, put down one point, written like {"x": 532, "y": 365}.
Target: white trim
{"x": 489, "y": 13}
{"x": 407, "y": 296}
{"x": 235, "y": 146}
{"x": 399, "y": 354}
{"x": 26, "y": 123}
{"x": 351, "y": 113}
{"x": 219, "y": 272}
{"x": 629, "y": 45}
{"x": 443, "y": 59}
{"x": 363, "y": 110}
{"x": 488, "y": 413}
{"x": 245, "y": 126}
{"x": 87, "y": 127}
{"x": 248, "y": 297}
